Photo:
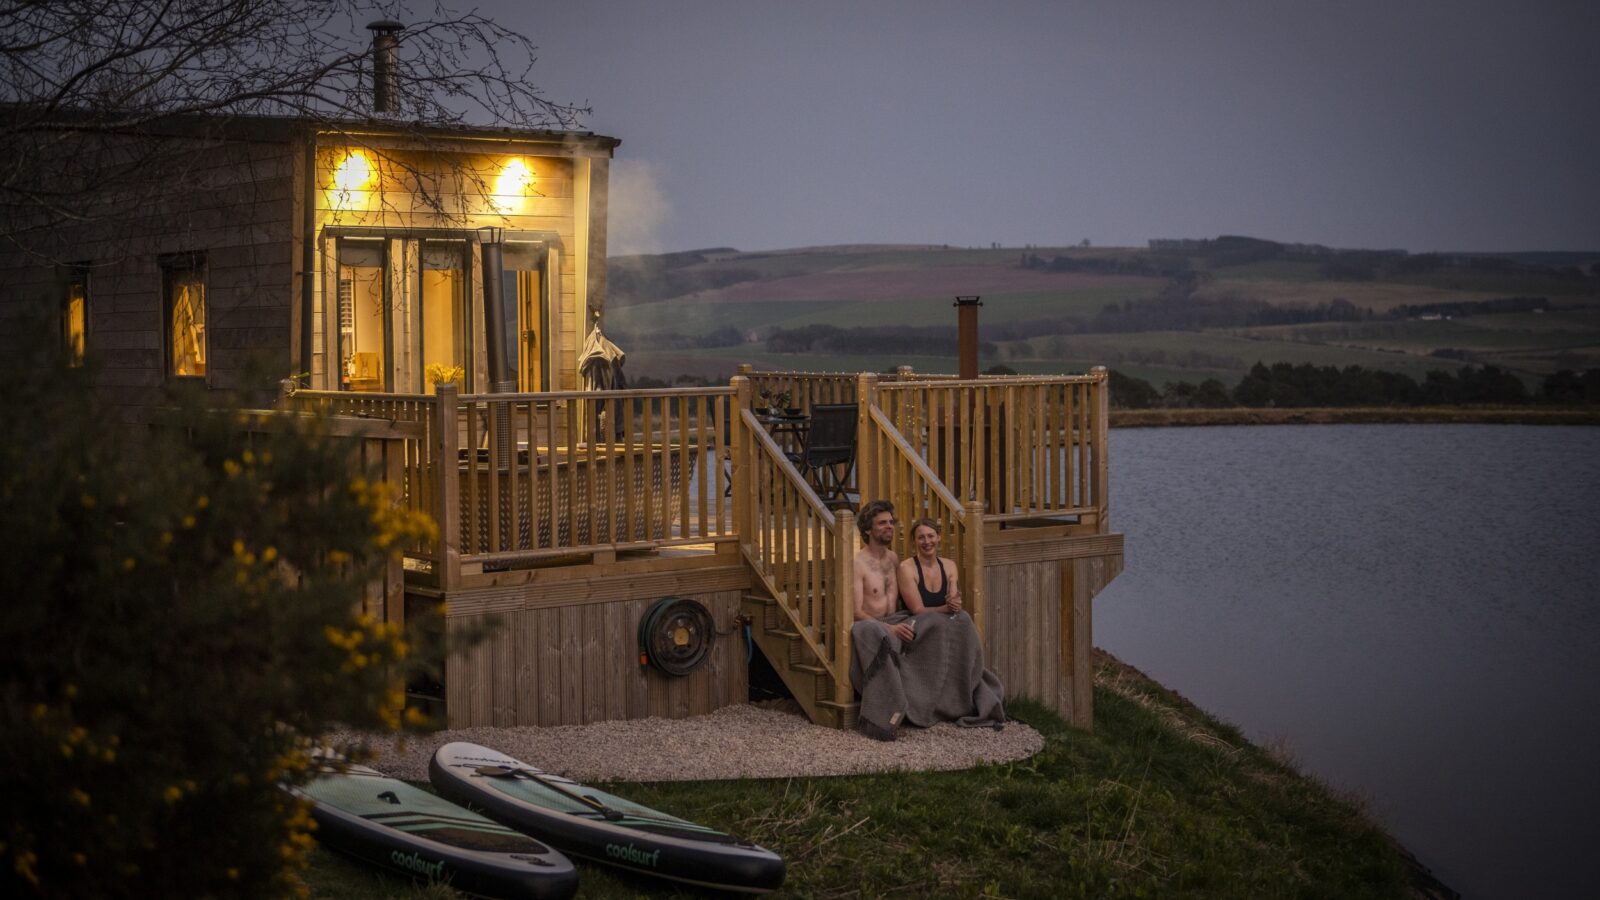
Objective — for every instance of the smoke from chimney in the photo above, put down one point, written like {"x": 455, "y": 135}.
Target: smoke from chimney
{"x": 384, "y": 47}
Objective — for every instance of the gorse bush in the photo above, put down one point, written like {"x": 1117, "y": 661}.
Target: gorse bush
{"x": 180, "y": 618}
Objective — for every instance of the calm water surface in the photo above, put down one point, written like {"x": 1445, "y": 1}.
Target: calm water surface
{"x": 1413, "y": 609}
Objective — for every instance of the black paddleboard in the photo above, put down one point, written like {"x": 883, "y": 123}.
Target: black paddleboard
{"x": 393, "y": 825}
{"x": 598, "y": 826}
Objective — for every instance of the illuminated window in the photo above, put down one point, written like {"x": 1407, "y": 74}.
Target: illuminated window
{"x": 75, "y": 318}
{"x": 185, "y": 283}
{"x": 362, "y": 316}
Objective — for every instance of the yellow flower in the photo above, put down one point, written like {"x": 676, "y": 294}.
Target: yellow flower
{"x": 24, "y": 866}
{"x": 76, "y": 795}
{"x": 172, "y": 794}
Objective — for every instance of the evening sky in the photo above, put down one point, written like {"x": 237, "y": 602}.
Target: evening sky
{"x": 1416, "y": 124}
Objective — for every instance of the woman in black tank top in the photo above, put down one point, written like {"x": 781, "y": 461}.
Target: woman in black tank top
{"x": 928, "y": 581}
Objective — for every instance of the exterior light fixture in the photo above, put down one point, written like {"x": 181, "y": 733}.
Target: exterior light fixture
{"x": 514, "y": 179}
{"x": 491, "y": 234}
{"x": 354, "y": 173}
{"x": 510, "y": 187}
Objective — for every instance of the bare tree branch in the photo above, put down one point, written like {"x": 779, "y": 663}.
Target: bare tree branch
{"x": 87, "y": 66}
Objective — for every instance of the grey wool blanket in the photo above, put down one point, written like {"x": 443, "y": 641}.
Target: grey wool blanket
{"x": 937, "y": 677}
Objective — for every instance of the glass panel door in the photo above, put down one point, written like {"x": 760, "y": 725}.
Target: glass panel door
{"x": 444, "y": 327}
{"x": 362, "y": 309}
{"x": 527, "y": 307}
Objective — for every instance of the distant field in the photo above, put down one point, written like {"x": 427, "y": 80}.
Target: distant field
{"x": 700, "y": 315}
{"x": 1376, "y": 296}
{"x": 868, "y": 286}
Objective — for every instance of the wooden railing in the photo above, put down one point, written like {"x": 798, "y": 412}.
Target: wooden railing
{"x": 380, "y": 450}
{"x": 804, "y": 389}
{"x": 901, "y": 476}
{"x": 512, "y": 477}
{"x": 801, "y": 550}
{"x": 412, "y": 467}
{"x": 1025, "y": 447}
{"x": 807, "y": 389}
{"x": 558, "y": 473}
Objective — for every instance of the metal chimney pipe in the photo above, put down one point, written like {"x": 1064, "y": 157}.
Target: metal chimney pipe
{"x": 501, "y": 379}
{"x": 967, "y": 325}
{"x": 385, "y": 45}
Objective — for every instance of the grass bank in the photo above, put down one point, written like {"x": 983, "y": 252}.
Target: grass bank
{"x": 1160, "y": 799}
{"x": 1418, "y": 415}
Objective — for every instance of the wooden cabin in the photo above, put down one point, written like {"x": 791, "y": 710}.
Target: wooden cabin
{"x": 356, "y": 262}
{"x": 348, "y": 258}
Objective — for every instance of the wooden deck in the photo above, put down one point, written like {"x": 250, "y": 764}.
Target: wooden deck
{"x": 564, "y": 515}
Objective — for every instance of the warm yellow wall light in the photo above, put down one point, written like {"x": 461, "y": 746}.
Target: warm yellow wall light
{"x": 511, "y": 185}
{"x": 354, "y": 174}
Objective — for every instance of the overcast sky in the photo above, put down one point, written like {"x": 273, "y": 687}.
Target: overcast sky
{"x": 1419, "y": 124}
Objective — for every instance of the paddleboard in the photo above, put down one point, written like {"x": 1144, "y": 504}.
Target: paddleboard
{"x": 388, "y": 823}
{"x": 604, "y": 828}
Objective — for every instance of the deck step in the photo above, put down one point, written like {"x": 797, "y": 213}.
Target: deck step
{"x": 808, "y": 668}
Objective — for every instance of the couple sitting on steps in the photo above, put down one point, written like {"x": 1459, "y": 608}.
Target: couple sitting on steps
{"x": 924, "y": 663}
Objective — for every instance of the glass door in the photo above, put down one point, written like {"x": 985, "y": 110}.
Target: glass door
{"x": 445, "y": 328}
{"x": 362, "y": 316}
{"x": 526, "y": 296}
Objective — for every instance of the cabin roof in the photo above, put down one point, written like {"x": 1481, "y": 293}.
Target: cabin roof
{"x": 239, "y": 126}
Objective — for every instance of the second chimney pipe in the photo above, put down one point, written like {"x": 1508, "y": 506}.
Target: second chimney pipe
{"x": 967, "y": 329}
{"x": 384, "y": 45}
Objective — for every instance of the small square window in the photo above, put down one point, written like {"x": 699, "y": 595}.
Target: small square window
{"x": 185, "y": 301}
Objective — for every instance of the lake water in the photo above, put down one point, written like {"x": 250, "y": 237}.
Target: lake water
{"x": 1413, "y": 609}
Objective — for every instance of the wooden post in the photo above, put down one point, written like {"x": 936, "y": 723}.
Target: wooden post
{"x": 446, "y": 457}
{"x": 843, "y": 599}
{"x": 742, "y": 488}
{"x": 1102, "y": 430}
{"x": 866, "y": 455}
{"x": 902, "y": 373}
{"x": 394, "y": 573}
{"x": 976, "y": 594}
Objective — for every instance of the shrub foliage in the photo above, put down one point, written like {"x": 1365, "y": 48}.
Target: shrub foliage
{"x": 179, "y": 621}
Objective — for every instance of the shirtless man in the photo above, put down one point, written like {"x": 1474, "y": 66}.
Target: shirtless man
{"x": 876, "y": 589}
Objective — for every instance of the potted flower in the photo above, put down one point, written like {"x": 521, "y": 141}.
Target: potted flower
{"x": 439, "y": 373}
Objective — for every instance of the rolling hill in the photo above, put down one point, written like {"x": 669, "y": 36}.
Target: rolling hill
{"x": 1180, "y": 311}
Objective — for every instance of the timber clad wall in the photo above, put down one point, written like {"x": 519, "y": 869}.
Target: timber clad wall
{"x": 566, "y": 656}
{"x": 231, "y": 202}
{"x": 1037, "y": 615}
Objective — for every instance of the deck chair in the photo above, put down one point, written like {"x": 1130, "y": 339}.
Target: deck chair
{"x": 830, "y": 451}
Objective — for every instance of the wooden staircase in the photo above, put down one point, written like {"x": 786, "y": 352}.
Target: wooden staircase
{"x": 806, "y": 676}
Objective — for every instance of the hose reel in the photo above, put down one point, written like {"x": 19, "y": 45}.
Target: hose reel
{"x": 676, "y": 635}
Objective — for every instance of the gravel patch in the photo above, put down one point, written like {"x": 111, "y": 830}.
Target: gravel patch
{"x": 769, "y": 740}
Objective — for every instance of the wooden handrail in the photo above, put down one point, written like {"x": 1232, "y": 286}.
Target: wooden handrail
{"x": 775, "y": 455}
{"x": 917, "y": 463}
{"x": 788, "y": 536}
